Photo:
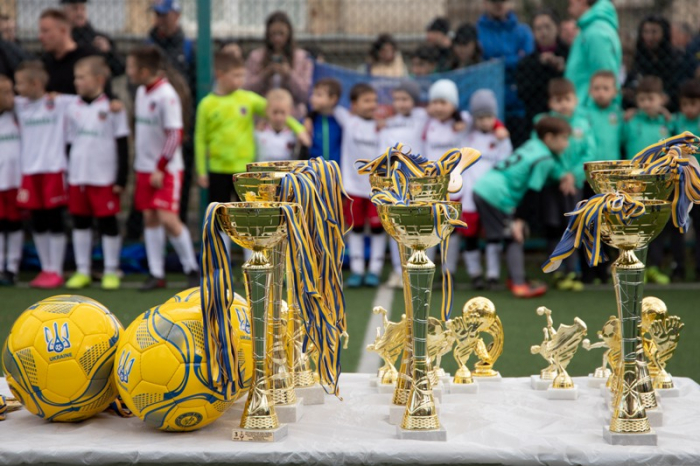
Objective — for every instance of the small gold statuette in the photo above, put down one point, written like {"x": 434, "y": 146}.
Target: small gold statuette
{"x": 558, "y": 348}
{"x": 660, "y": 333}
{"x": 609, "y": 338}
{"x": 440, "y": 342}
{"x": 389, "y": 346}
{"x": 491, "y": 326}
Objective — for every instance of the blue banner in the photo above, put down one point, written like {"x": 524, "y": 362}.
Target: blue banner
{"x": 487, "y": 75}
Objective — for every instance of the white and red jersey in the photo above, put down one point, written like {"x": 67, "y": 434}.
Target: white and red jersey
{"x": 42, "y": 125}
{"x": 274, "y": 146}
{"x": 360, "y": 141}
{"x": 440, "y": 136}
{"x": 93, "y": 130}
{"x": 406, "y": 129}
{"x": 492, "y": 151}
{"x": 10, "y": 175}
{"x": 157, "y": 112}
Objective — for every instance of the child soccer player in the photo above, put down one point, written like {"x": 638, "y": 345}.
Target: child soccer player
{"x": 158, "y": 165}
{"x": 447, "y": 126}
{"x": 483, "y": 108}
{"x": 10, "y": 219}
{"x": 605, "y": 116}
{"x": 646, "y": 127}
{"x": 97, "y": 171}
{"x": 42, "y": 120}
{"x": 361, "y": 141}
{"x": 405, "y": 126}
{"x": 499, "y": 192}
{"x": 224, "y": 132}
{"x": 274, "y": 141}
{"x": 325, "y": 130}
{"x": 568, "y": 177}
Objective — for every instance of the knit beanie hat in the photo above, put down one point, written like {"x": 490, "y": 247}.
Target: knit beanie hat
{"x": 411, "y": 88}
{"x": 446, "y": 90}
{"x": 483, "y": 103}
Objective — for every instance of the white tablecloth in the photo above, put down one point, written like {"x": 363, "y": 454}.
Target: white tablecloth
{"x": 505, "y": 423}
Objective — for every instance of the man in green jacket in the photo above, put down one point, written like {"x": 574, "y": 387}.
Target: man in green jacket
{"x": 597, "y": 46}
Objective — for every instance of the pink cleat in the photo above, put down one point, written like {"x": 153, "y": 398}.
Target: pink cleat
{"x": 47, "y": 281}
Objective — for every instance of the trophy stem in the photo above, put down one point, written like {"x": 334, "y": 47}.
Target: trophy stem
{"x": 629, "y": 415}
{"x": 420, "y": 412}
{"x": 259, "y": 410}
{"x": 405, "y": 374}
{"x": 281, "y": 377}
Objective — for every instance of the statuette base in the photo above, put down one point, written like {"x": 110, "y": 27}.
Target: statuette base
{"x": 290, "y": 413}
{"x": 613, "y": 438}
{"x": 436, "y": 435}
{"x": 562, "y": 393}
{"x": 313, "y": 395}
{"x": 257, "y": 435}
{"x": 538, "y": 383}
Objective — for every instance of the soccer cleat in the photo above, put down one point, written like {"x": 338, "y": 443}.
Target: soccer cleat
{"x": 78, "y": 281}
{"x": 491, "y": 283}
{"x": 372, "y": 280}
{"x": 528, "y": 290}
{"x": 654, "y": 275}
{"x": 478, "y": 283}
{"x": 111, "y": 281}
{"x": 354, "y": 281}
{"x": 7, "y": 279}
{"x": 47, "y": 281}
{"x": 152, "y": 283}
{"x": 395, "y": 280}
{"x": 193, "y": 279}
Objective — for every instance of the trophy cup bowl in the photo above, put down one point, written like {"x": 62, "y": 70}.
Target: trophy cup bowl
{"x": 254, "y": 225}
{"x": 413, "y": 225}
{"x": 589, "y": 167}
{"x": 639, "y": 186}
{"x": 423, "y": 188}
{"x": 259, "y": 186}
{"x": 279, "y": 166}
{"x": 640, "y": 231}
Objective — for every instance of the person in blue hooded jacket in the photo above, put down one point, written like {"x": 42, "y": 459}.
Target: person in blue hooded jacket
{"x": 503, "y": 36}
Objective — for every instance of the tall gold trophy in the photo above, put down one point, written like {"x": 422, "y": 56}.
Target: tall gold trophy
{"x": 414, "y": 227}
{"x": 259, "y": 226}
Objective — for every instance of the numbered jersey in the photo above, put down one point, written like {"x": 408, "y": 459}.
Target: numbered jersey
{"x": 528, "y": 168}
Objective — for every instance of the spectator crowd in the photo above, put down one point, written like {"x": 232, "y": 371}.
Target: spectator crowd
{"x": 66, "y": 138}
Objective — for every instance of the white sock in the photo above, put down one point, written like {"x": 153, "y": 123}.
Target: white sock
{"x": 493, "y": 260}
{"x": 82, "y": 246}
{"x": 111, "y": 250}
{"x": 41, "y": 242}
{"x": 185, "y": 250}
{"x": 14, "y": 250}
{"x": 2, "y": 251}
{"x": 155, "y": 245}
{"x": 356, "y": 249}
{"x": 395, "y": 256}
{"x": 473, "y": 261}
{"x": 452, "y": 258}
{"x": 57, "y": 251}
{"x": 377, "y": 253}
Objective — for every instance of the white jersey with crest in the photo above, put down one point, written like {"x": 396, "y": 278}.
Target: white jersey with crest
{"x": 360, "y": 141}
{"x": 10, "y": 148}
{"x": 42, "y": 125}
{"x": 493, "y": 151}
{"x": 156, "y": 110}
{"x": 93, "y": 131}
{"x": 274, "y": 146}
{"x": 440, "y": 136}
{"x": 406, "y": 129}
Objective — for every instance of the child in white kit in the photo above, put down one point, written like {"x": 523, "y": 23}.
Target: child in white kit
{"x": 274, "y": 141}
{"x": 447, "y": 126}
{"x": 483, "y": 108}
{"x": 10, "y": 216}
{"x": 405, "y": 126}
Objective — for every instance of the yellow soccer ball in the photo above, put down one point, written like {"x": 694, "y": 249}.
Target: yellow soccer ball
{"x": 59, "y": 357}
{"x": 161, "y": 371}
{"x": 193, "y": 294}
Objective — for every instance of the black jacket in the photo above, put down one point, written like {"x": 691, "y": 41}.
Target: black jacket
{"x": 85, "y": 36}
{"x": 60, "y": 72}
{"x": 180, "y": 53}
{"x": 11, "y": 55}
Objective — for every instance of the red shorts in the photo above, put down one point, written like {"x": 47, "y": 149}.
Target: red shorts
{"x": 473, "y": 222}
{"x": 8, "y": 206}
{"x": 93, "y": 201}
{"x": 167, "y": 197}
{"x": 359, "y": 211}
{"x": 42, "y": 191}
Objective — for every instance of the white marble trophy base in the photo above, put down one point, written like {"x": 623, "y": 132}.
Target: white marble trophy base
{"x": 495, "y": 378}
{"x": 562, "y": 393}
{"x": 290, "y": 413}
{"x": 313, "y": 395}
{"x": 373, "y": 381}
{"x": 459, "y": 388}
{"x": 668, "y": 392}
{"x": 596, "y": 382}
{"x": 386, "y": 388}
{"x": 438, "y": 390}
{"x": 256, "y": 435}
{"x": 445, "y": 379}
{"x": 396, "y": 413}
{"x": 437, "y": 435}
{"x": 629, "y": 439}
{"x": 538, "y": 383}
{"x": 656, "y": 416}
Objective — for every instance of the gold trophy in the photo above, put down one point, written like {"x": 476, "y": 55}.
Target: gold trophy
{"x": 440, "y": 341}
{"x": 487, "y": 353}
{"x": 466, "y": 330}
{"x": 388, "y": 345}
{"x": 259, "y": 226}
{"x": 558, "y": 348}
{"x": 610, "y": 339}
{"x": 414, "y": 227}
{"x": 660, "y": 337}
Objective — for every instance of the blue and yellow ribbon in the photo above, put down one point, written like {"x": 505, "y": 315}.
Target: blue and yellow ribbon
{"x": 584, "y": 227}
{"x": 3, "y": 408}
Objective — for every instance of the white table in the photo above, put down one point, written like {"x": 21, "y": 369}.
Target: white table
{"x": 505, "y": 423}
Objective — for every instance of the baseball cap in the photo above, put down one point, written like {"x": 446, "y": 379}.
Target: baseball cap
{"x": 166, "y": 6}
